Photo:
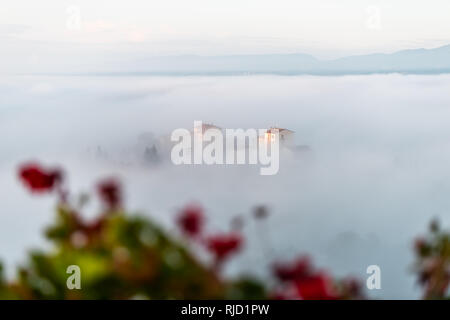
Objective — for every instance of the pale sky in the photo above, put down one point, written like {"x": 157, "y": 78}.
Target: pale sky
{"x": 40, "y": 31}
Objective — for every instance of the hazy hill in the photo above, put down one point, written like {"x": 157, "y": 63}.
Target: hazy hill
{"x": 406, "y": 61}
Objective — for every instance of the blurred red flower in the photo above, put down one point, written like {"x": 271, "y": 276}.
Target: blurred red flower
{"x": 298, "y": 269}
{"x": 191, "y": 220}
{"x": 110, "y": 192}
{"x": 223, "y": 245}
{"x": 37, "y": 179}
{"x": 315, "y": 287}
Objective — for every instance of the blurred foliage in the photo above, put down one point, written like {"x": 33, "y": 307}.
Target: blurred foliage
{"x": 433, "y": 262}
{"x": 120, "y": 257}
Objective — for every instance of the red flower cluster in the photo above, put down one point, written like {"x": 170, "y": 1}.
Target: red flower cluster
{"x": 308, "y": 283}
{"x": 316, "y": 287}
{"x": 110, "y": 193}
{"x": 191, "y": 220}
{"x": 37, "y": 179}
{"x": 223, "y": 245}
{"x": 298, "y": 269}
{"x": 297, "y": 279}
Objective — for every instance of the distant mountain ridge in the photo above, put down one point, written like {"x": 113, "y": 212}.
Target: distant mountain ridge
{"x": 415, "y": 61}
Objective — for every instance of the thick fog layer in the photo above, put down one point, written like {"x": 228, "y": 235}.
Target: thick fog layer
{"x": 376, "y": 173}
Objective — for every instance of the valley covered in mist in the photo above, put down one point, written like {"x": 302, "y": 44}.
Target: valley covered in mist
{"x": 376, "y": 173}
